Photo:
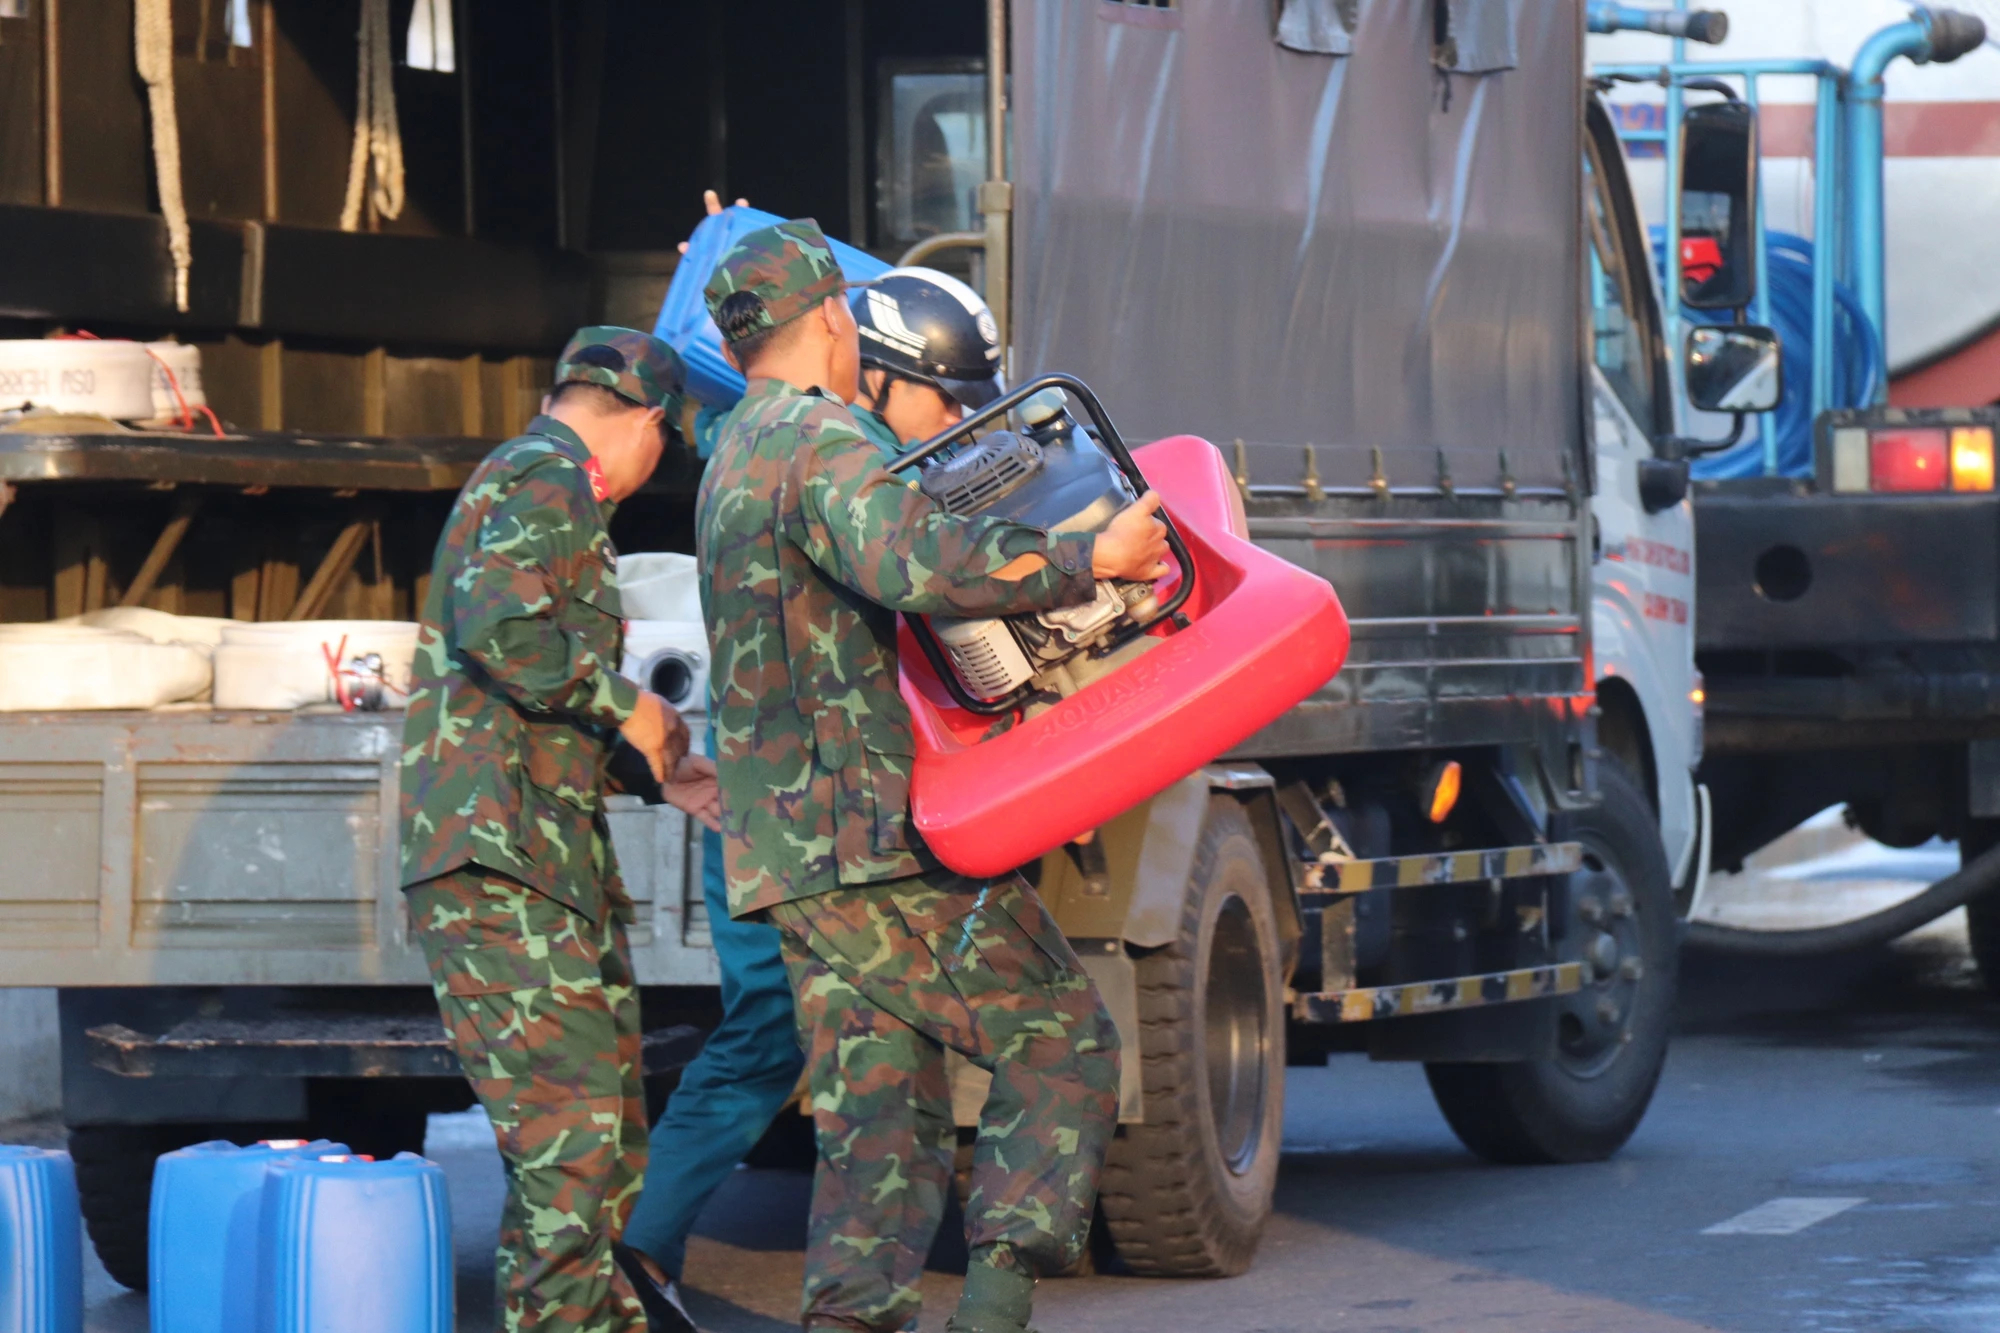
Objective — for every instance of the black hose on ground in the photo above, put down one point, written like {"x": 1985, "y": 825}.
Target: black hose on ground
{"x": 1979, "y": 876}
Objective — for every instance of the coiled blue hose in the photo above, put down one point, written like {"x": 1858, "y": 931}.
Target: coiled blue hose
{"x": 1857, "y": 361}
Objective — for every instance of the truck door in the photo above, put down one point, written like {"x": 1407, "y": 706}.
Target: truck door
{"x": 1643, "y": 593}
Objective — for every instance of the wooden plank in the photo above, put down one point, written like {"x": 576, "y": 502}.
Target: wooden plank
{"x": 164, "y": 546}
{"x": 338, "y": 560}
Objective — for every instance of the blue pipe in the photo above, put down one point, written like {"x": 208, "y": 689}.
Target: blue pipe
{"x": 1709, "y": 26}
{"x": 1826, "y": 212}
{"x": 1866, "y": 224}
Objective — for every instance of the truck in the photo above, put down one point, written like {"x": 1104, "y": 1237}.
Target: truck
{"x": 1847, "y": 636}
{"x": 1386, "y": 258}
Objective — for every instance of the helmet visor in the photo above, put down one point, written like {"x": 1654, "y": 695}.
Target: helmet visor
{"x": 973, "y": 394}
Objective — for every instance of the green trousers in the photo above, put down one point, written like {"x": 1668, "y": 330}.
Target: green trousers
{"x": 543, "y": 1011}
{"x": 886, "y": 978}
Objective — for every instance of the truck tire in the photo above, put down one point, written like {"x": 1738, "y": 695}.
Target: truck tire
{"x": 1584, "y": 1104}
{"x": 114, "y": 1185}
{"x": 1187, "y": 1192}
{"x": 1982, "y": 914}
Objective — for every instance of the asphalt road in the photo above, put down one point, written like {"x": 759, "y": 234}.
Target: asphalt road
{"x": 1854, "y": 1104}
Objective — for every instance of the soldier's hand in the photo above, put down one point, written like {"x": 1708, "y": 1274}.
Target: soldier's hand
{"x": 712, "y": 204}
{"x": 656, "y": 731}
{"x": 1134, "y": 545}
{"x": 694, "y": 791}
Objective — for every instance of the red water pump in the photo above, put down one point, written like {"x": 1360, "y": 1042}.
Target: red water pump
{"x": 1032, "y": 729}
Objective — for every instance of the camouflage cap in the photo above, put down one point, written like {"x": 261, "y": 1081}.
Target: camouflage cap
{"x": 789, "y": 267}
{"x": 636, "y": 366}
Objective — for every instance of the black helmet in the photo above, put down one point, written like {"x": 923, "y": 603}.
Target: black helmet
{"x": 928, "y": 326}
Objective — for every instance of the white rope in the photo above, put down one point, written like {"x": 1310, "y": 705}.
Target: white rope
{"x": 378, "y": 139}
{"x": 153, "y": 45}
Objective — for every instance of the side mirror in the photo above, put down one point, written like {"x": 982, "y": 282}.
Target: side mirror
{"x": 1734, "y": 368}
{"x": 1718, "y": 262}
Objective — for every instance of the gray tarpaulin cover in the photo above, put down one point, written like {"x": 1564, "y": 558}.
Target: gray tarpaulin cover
{"x": 1233, "y": 239}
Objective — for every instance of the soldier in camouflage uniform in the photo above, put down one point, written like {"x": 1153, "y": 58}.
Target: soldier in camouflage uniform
{"x": 808, "y": 549}
{"x": 513, "y": 890}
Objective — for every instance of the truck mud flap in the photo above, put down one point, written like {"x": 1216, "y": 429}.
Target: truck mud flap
{"x": 333, "y": 1046}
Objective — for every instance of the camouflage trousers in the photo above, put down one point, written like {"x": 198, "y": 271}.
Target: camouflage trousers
{"x": 889, "y": 976}
{"x": 543, "y": 1011}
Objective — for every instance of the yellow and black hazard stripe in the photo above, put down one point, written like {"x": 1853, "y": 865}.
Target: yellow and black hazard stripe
{"x": 1329, "y": 879}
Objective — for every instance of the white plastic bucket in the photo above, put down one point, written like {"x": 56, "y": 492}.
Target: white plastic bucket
{"x": 100, "y": 377}
{"x": 278, "y": 665}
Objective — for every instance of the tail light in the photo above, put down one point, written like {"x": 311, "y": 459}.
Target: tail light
{"x": 1906, "y": 459}
{"x": 1972, "y": 458}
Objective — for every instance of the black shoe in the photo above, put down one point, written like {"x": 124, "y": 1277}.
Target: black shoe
{"x": 662, "y": 1304}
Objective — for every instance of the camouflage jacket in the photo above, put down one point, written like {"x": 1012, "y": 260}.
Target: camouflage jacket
{"x": 808, "y": 549}
{"x": 514, "y": 700}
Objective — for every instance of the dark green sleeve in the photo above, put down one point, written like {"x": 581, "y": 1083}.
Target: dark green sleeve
{"x": 880, "y": 535}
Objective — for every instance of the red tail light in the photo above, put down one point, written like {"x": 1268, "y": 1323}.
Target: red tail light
{"x": 1908, "y": 460}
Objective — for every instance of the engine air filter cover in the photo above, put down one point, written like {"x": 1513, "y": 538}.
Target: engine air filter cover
{"x": 995, "y": 467}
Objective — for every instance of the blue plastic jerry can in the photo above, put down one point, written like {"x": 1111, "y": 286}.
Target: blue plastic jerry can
{"x": 684, "y": 320}
{"x": 41, "y": 1242}
{"x": 354, "y": 1246}
{"x": 201, "y": 1257}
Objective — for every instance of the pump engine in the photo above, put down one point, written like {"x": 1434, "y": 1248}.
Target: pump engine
{"x": 1057, "y": 476}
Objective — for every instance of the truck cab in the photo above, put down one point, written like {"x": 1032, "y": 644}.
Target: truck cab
{"x": 1643, "y": 580}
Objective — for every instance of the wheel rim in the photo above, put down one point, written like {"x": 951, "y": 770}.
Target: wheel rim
{"x": 1237, "y": 1035}
{"x": 1606, "y": 935}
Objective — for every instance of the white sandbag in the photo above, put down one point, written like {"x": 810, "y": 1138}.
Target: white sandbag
{"x": 159, "y": 626}
{"x": 659, "y": 585}
{"x": 278, "y": 665}
{"x": 73, "y": 667}
{"x": 670, "y": 658}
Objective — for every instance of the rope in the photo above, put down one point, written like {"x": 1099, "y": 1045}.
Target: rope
{"x": 153, "y": 45}
{"x": 378, "y": 138}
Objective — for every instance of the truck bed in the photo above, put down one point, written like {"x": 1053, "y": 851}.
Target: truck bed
{"x": 193, "y": 846}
